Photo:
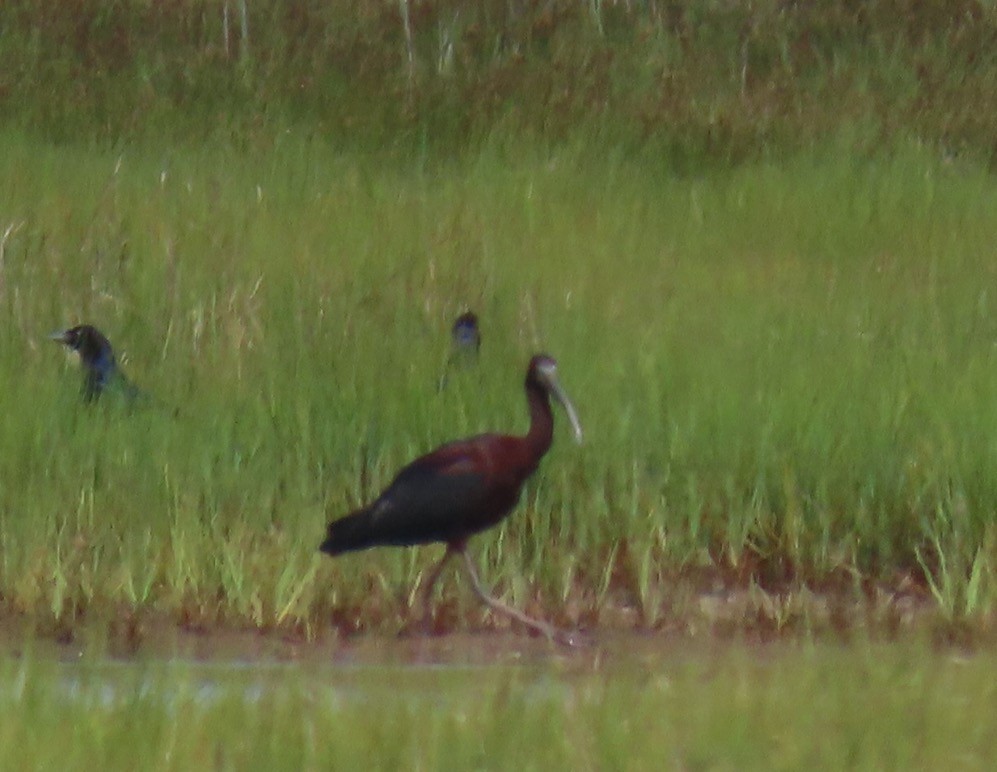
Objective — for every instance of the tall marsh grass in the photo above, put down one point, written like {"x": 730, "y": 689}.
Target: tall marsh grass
{"x": 702, "y": 83}
{"x": 785, "y": 367}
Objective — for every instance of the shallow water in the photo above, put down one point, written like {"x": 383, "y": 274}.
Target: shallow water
{"x": 498, "y": 702}
{"x": 351, "y": 672}
{"x": 175, "y": 668}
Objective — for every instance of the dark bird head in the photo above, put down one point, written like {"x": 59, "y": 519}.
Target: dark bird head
{"x": 466, "y": 339}
{"x": 543, "y": 375}
{"x": 96, "y": 357}
{"x": 466, "y": 335}
{"x": 86, "y": 340}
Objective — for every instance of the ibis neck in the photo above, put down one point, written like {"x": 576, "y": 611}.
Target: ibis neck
{"x": 541, "y": 432}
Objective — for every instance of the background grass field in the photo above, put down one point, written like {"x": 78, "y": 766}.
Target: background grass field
{"x": 758, "y": 238}
{"x": 787, "y": 367}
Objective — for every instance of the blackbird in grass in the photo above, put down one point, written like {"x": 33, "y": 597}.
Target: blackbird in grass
{"x": 101, "y": 373}
{"x": 465, "y": 340}
{"x": 466, "y": 335}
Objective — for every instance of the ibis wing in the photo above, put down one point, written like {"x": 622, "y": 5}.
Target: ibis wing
{"x": 439, "y": 497}
{"x": 446, "y": 496}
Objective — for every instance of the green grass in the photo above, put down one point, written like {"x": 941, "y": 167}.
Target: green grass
{"x": 785, "y": 371}
{"x": 895, "y": 707}
{"x": 697, "y": 82}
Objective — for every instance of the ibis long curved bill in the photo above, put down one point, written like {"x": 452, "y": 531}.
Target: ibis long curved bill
{"x": 557, "y": 391}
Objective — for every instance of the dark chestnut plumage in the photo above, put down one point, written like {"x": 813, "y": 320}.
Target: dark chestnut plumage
{"x": 460, "y": 489}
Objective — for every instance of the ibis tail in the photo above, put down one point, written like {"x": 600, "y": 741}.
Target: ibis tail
{"x": 350, "y": 533}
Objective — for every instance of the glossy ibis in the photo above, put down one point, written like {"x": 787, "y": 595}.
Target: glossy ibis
{"x": 459, "y": 489}
{"x": 101, "y": 373}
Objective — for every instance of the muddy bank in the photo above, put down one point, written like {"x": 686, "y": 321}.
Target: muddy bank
{"x": 692, "y": 619}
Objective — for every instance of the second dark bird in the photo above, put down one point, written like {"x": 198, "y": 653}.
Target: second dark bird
{"x": 465, "y": 337}
{"x": 460, "y": 489}
{"x": 101, "y": 373}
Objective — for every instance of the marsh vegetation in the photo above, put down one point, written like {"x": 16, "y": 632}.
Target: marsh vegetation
{"x": 757, "y": 237}
{"x": 785, "y": 372}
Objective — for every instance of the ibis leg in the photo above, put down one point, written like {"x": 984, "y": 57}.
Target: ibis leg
{"x": 431, "y": 580}
{"x": 497, "y": 605}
